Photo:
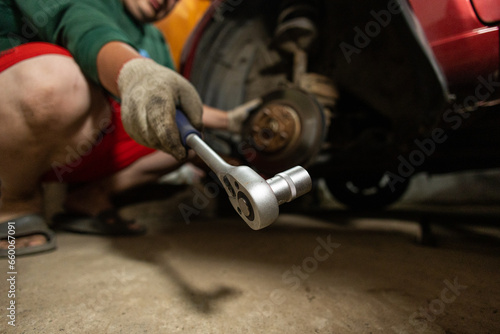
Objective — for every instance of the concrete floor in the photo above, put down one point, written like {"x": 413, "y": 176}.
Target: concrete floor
{"x": 317, "y": 271}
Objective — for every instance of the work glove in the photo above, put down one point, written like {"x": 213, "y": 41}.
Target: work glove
{"x": 237, "y": 116}
{"x": 150, "y": 95}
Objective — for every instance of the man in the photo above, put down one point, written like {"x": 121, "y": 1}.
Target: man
{"x": 56, "y": 100}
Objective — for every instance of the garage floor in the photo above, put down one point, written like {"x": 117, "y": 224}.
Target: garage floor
{"x": 316, "y": 270}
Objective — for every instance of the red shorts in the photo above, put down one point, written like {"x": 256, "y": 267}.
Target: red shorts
{"x": 105, "y": 153}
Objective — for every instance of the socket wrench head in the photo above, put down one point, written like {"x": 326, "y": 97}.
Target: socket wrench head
{"x": 251, "y": 196}
{"x": 256, "y": 200}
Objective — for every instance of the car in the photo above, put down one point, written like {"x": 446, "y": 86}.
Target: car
{"x": 365, "y": 94}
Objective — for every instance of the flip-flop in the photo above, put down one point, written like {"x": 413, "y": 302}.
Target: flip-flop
{"x": 27, "y": 226}
{"x": 107, "y": 223}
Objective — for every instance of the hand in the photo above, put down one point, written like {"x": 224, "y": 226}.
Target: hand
{"x": 238, "y": 115}
{"x": 150, "y": 94}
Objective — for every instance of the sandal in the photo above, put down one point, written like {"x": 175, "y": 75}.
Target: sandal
{"x": 27, "y": 226}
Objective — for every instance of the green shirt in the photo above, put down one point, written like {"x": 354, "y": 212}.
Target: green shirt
{"x": 81, "y": 26}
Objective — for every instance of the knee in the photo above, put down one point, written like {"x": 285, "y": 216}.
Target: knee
{"x": 55, "y": 93}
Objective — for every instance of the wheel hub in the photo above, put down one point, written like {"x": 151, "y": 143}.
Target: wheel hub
{"x": 275, "y": 127}
{"x": 287, "y": 130}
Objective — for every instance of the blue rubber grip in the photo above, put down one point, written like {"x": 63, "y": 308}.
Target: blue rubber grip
{"x": 185, "y": 127}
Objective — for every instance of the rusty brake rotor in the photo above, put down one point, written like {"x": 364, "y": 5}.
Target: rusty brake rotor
{"x": 287, "y": 130}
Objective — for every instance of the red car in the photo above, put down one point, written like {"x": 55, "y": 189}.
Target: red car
{"x": 364, "y": 94}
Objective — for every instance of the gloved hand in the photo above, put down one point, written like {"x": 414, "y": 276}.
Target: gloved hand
{"x": 150, "y": 95}
{"x": 238, "y": 115}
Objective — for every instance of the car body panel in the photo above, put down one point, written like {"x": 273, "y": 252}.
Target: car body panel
{"x": 464, "y": 47}
{"x": 488, "y": 11}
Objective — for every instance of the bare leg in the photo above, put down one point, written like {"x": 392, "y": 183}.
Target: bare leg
{"x": 47, "y": 105}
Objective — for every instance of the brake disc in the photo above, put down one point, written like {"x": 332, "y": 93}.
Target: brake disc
{"x": 287, "y": 130}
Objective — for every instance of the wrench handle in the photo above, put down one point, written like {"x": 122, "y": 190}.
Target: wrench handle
{"x": 185, "y": 127}
{"x": 191, "y": 138}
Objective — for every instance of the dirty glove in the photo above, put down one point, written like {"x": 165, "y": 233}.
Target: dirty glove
{"x": 150, "y": 94}
{"x": 238, "y": 115}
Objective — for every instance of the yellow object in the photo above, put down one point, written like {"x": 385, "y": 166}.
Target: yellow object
{"x": 179, "y": 24}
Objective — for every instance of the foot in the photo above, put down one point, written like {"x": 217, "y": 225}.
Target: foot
{"x": 29, "y": 241}
{"x": 28, "y": 233}
{"x": 13, "y": 210}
